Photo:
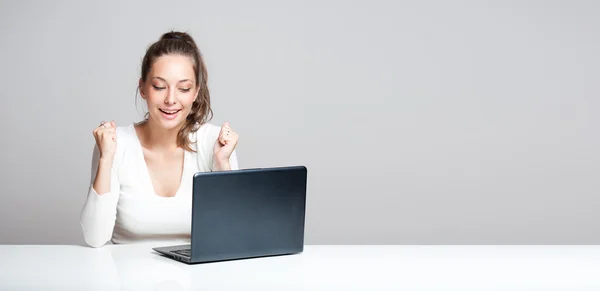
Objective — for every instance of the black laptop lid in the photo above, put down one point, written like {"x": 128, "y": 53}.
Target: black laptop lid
{"x": 248, "y": 213}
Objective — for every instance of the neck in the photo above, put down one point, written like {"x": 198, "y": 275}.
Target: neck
{"x": 159, "y": 138}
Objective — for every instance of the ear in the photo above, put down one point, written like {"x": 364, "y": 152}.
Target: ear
{"x": 141, "y": 87}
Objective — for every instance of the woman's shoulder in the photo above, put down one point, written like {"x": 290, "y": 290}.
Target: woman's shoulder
{"x": 202, "y": 140}
{"x": 126, "y": 140}
{"x": 126, "y": 134}
{"x": 206, "y": 133}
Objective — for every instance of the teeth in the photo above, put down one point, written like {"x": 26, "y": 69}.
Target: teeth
{"x": 169, "y": 112}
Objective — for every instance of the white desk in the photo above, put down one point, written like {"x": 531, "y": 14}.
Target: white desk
{"x": 137, "y": 267}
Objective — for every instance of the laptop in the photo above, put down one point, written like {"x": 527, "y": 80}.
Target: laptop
{"x": 246, "y": 213}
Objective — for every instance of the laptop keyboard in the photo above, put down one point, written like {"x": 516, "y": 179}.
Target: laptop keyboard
{"x": 184, "y": 252}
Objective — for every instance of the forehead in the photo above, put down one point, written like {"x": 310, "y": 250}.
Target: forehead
{"x": 173, "y": 68}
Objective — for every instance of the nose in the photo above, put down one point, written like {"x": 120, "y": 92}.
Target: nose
{"x": 170, "y": 98}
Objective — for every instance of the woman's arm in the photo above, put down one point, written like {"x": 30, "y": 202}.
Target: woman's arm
{"x": 100, "y": 209}
{"x": 224, "y": 157}
{"x": 232, "y": 164}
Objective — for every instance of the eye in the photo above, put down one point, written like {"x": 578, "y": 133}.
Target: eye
{"x": 185, "y": 90}
{"x": 158, "y": 88}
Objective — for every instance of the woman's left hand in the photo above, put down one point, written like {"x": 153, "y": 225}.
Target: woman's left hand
{"x": 224, "y": 146}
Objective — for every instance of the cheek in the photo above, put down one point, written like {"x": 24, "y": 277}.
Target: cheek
{"x": 154, "y": 97}
{"x": 188, "y": 100}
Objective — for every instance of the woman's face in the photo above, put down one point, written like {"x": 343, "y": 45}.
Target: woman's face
{"x": 170, "y": 90}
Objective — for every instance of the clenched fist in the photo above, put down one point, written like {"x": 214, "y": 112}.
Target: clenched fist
{"x": 106, "y": 139}
{"x": 225, "y": 144}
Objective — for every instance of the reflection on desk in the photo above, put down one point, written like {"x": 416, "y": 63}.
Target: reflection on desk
{"x": 138, "y": 267}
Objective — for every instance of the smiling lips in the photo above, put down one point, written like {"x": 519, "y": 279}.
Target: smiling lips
{"x": 169, "y": 113}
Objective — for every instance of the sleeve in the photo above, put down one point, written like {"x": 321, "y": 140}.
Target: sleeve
{"x": 233, "y": 161}
{"x": 100, "y": 211}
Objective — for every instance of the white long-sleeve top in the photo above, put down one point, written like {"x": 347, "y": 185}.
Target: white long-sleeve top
{"x": 131, "y": 211}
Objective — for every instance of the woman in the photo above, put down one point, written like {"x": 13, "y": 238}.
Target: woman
{"x": 143, "y": 186}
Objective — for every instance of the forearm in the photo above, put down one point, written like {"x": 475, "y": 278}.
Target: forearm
{"x": 222, "y": 165}
{"x": 102, "y": 181}
{"x": 100, "y": 209}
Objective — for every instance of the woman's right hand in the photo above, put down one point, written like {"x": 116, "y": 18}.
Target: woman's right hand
{"x": 106, "y": 139}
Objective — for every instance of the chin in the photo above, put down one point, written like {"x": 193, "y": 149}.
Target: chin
{"x": 170, "y": 124}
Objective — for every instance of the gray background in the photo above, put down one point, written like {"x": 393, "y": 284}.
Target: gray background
{"x": 421, "y": 122}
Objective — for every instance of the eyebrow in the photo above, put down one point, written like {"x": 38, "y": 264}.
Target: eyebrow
{"x": 184, "y": 80}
